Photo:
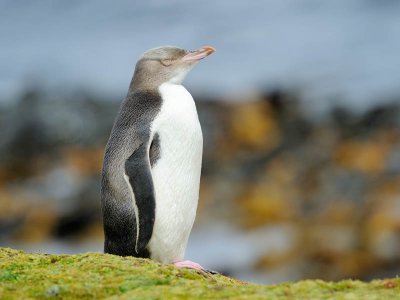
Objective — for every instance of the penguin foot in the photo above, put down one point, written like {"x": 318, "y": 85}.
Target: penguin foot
{"x": 192, "y": 265}
{"x": 188, "y": 264}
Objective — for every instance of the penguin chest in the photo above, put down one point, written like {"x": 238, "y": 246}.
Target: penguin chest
{"x": 176, "y": 174}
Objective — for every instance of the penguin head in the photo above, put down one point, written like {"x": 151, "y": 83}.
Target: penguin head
{"x": 166, "y": 64}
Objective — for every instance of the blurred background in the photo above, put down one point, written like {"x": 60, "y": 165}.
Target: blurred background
{"x": 300, "y": 110}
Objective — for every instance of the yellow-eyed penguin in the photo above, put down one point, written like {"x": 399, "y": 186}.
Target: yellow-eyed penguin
{"x": 151, "y": 170}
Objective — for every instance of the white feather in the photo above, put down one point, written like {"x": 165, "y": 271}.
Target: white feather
{"x": 176, "y": 175}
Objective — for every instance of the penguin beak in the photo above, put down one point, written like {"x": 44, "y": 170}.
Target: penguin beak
{"x": 198, "y": 54}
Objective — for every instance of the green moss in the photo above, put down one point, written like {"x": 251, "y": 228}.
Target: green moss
{"x": 96, "y": 276}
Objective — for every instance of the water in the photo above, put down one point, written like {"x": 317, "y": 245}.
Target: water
{"x": 333, "y": 51}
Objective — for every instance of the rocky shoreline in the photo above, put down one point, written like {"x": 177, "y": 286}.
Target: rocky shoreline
{"x": 332, "y": 182}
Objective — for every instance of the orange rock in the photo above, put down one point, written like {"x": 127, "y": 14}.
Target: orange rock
{"x": 266, "y": 204}
{"x": 253, "y": 125}
{"x": 282, "y": 170}
{"x": 382, "y": 221}
{"x": 337, "y": 240}
{"x": 87, "y": 161}
{"x": 276, "y": 259}
{"x": 388, "y": 189}
{"x": 11, "y": 207}
{"x": 205, "y": 196}
{"x": 365, "y": 156}
{"x": 357, "y": 263}
{"x": 38, "y": 224}
{"x": 341, "y": 212}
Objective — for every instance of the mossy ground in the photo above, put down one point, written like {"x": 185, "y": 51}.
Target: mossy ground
{"x": 96, "y": 276}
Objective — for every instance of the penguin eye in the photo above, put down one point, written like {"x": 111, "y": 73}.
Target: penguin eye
{"x": 166, "y": 62}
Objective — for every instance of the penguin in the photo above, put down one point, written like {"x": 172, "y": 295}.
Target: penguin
{"x": 152, "y": 161}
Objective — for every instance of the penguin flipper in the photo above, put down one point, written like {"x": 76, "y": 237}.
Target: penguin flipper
{"x": 137, "y": 169}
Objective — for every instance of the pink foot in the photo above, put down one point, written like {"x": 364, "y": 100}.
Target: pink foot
{"x": 188, "y": 264}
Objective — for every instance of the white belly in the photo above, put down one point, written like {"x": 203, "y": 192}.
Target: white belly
{"x": 176, "y": 175}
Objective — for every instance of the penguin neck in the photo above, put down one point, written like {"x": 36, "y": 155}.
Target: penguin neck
{"x": 142, "y": 81}
{"x": 154, "y": 89}
{"x": 137, "y": 86}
